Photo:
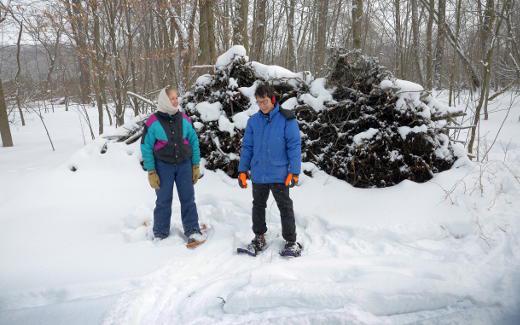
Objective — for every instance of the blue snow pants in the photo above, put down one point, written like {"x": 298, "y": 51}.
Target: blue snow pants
{"x": 181, "y": 175}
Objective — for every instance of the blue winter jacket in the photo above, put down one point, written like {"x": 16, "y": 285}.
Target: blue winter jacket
{"x": 271, "y": 147}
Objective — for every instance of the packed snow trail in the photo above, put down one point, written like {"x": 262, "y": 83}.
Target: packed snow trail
{"x": 371, "y": 256}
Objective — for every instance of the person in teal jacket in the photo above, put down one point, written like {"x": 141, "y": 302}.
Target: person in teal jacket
{"x": 171, "y": 155}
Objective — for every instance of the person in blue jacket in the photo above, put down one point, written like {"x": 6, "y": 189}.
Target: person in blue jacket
{"x": 271, "y": 151}
{"x": 171, "y": 155}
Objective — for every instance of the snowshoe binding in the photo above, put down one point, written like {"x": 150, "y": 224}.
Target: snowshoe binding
{"x": 257, "y": 245}
{"x": 197, "y": 238}
{"x": 291, "y": 249}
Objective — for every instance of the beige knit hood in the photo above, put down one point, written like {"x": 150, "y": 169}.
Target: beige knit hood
{"x": 164, "y": 105}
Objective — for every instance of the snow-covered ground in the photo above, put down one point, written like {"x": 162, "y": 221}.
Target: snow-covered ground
{"x": 74, "y": 246}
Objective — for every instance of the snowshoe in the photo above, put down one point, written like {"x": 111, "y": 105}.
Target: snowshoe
{"x": 198, "y": 238}
{"x": 257, "y": 245}
{"x": 291, "y": 249}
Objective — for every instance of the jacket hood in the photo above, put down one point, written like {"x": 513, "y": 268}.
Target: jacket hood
{"x": 164, "y": 105}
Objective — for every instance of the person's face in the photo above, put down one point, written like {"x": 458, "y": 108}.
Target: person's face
{"x": 172, "y": 95}
{"x": 265, "y": 104}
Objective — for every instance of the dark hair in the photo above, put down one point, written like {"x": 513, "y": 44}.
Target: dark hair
{"x": 264, "y": 90}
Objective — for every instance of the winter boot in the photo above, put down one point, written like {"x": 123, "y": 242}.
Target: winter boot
{"x": 195, "y": 239}
{"x": 291, "y": 249}
{"x": 258, "y": 244}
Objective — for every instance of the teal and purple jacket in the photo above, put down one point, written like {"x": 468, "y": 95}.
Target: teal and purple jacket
{"x": 170, "y": 138}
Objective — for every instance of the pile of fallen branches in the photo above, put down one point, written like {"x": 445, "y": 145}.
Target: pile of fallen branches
{"x": 359, "y": 124}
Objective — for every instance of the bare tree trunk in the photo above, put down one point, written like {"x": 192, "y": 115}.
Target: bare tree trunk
{"x": 131, "y": 59}
{"x": 439, "y": 49}
{"x": 110, "y": 121}
{"x": 53, "y": 57}
{"x": 145, "y": 39}
{"x": 514, "y": 47}
{"x": 366, "y": 19}
{"x": 398, "y": 39}
{"x": 65, "y": 91}
{"x": 485, "y": 33}
{"x": 39, "y": 113}
{"x": 240, "y": 23}
{"x": 321, "y": 45}
{"x": 203, "y": 57}
{"x": 18, "y": 72}
{"x": 78, "y": 19}
{"x": 259, "y": 24}
{"x": 207, "y": 33}
{"x": 98, "y": 61}
{"x": 164, "y": 45}
{"x": 302, "y": 40}
{"x": 416, "y": 41}
{"x": 484, "y": 93}
{"x": 5, "y": 131}
{"x": 473, "y": 75}
{"x": 453, "y": 68}
{"x": 224, "y": 16}
{"x": 335, "y": 18}
{"x": 154, "y": 47}
{"x": 291, "y": 41}
{"x": 111, "y": 11}
{"x": 357, "y": 22}
{"x": 185, "y": 43}
{"x": 274, "y": 36}
{"x": 429, "y": 47}
{"x": 190, "y": 42}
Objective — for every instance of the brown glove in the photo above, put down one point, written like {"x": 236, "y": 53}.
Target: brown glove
{"x": 242, "y": 179}
{"x": 291, "y": 180}
{"x": 196, "y": 173}
{"x": 153, "y": 179}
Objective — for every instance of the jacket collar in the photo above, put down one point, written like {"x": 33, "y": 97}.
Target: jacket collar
{"x": 270, "y": 115}
{"x": 166, "y": 115}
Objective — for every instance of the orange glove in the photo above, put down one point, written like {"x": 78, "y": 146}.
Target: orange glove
{"x": 242, "y": 179}
{"x": 291, "y": 180}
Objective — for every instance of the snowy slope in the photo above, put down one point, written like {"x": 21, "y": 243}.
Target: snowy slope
{"x": 74, "y": 246}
